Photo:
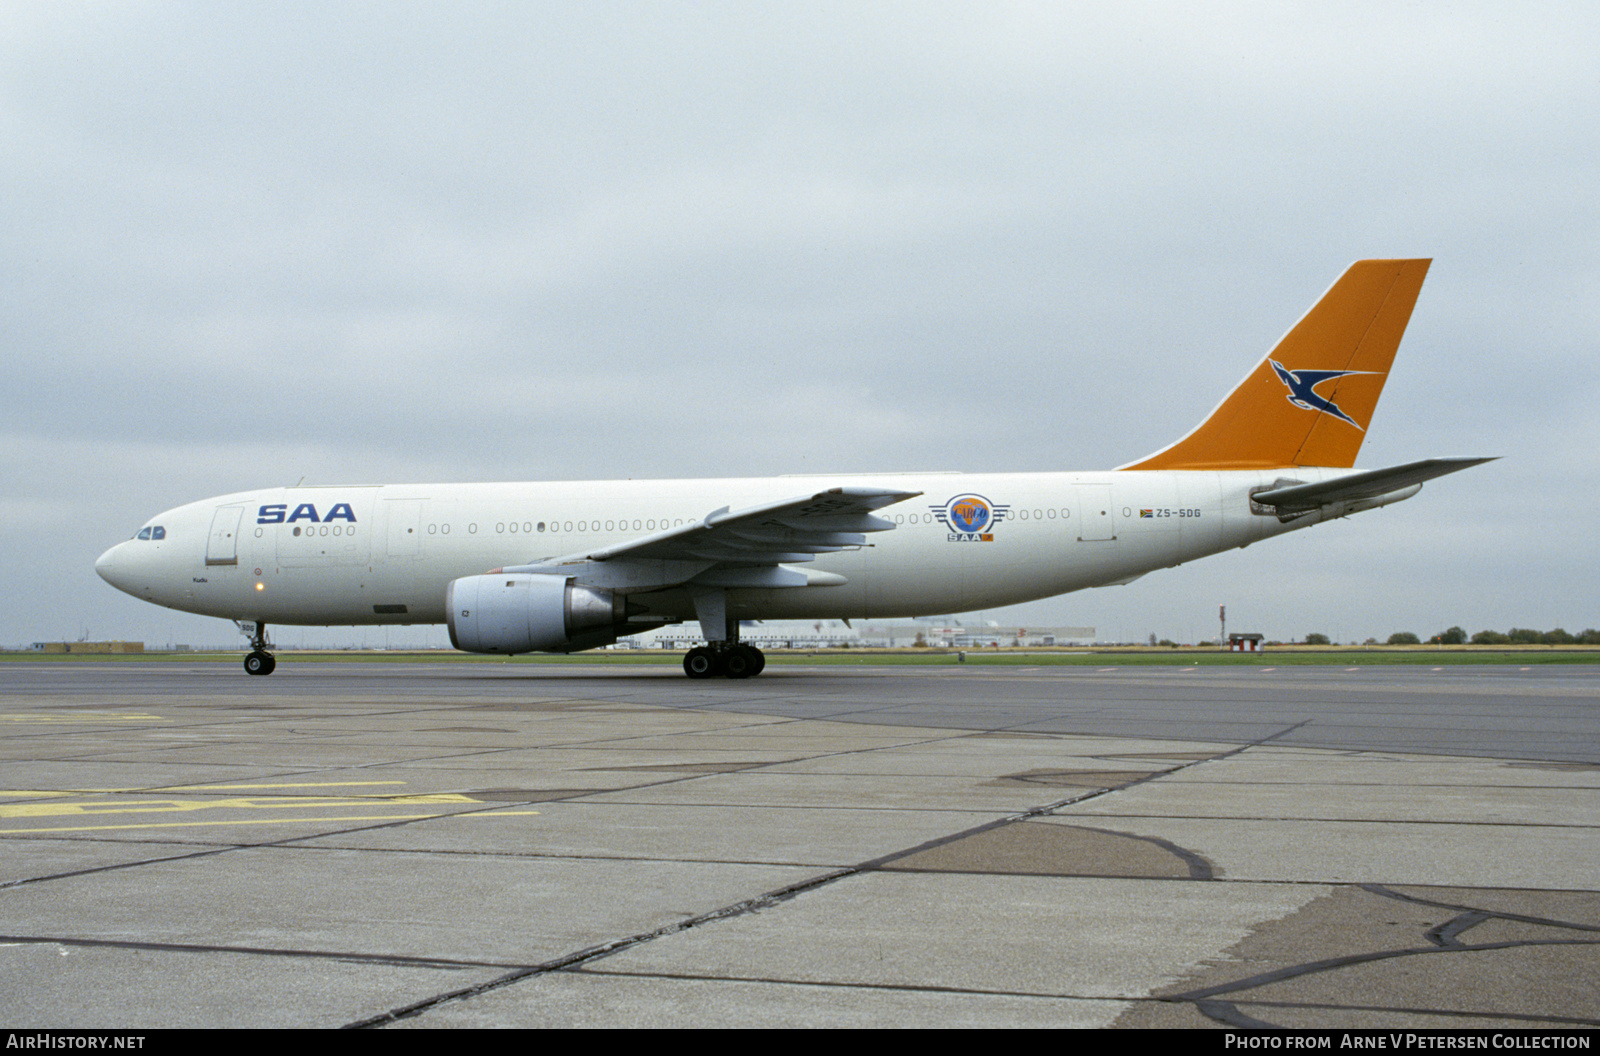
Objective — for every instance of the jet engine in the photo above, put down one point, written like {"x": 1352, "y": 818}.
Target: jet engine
{"x": 526, "y": 613}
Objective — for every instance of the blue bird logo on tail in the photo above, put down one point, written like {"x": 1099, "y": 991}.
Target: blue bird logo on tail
{"x": 1302, "y": 389}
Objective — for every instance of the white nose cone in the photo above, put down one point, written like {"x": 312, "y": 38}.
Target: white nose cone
{"x": 113, "y": 571}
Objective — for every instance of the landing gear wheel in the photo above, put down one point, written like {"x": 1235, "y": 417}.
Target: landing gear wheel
{"x": 738, "y": 661}
{"x": 743, "y": 661}
{"x": 260, "y": 663}
{"x": 701, "y": 662}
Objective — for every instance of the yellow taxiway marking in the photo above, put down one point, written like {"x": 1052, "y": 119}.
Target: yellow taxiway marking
{"x": 80, "y": 716}
{"x": 295, "y": 784}
{"x": 91, "y": 803}
{"x": 260, "y": 821}
{"x": 150, "y": 790}
{"x": 56, "y": 808}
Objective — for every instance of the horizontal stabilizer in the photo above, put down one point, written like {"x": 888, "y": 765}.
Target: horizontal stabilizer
{"x": 1297, "y": 498}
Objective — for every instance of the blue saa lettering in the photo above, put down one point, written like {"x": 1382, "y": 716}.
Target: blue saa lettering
{"x": 278, "y": 513}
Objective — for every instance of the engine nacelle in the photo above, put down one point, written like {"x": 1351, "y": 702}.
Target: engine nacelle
{"x": 523, "y": 613}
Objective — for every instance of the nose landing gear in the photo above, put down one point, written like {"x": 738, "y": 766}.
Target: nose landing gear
{"x": 258, "y": 661}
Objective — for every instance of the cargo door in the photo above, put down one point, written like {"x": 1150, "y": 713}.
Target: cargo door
{"x": 223, "y": 546}
{"x": 405, "y": 527}
{"x": 1095, "y": 521}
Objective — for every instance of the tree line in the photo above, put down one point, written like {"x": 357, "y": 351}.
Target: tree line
{"x": 1457, "y": 636}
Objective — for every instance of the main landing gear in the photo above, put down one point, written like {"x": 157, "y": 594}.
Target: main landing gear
{"x": 735, "y": 660}
{"x": 723, "y": 653}
{"x": 258, "y": 661}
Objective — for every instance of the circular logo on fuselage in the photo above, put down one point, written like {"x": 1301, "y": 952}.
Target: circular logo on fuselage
{"x": 969, "y": 513}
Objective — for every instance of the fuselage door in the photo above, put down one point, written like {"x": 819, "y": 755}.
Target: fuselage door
{"x": 405, "y": 527}
{"x": 223, "y": 546}
{"x": 1095, "y": 521}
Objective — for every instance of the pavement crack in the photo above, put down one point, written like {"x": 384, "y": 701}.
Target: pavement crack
{"x": 1221, "y": 1002}
{"x": 343, "y": 956}
{"x": 1220, "y": 1011}
{"x": 1295, "y": 971}
{"x": 1445, "y": 934}
{"x": 1521, "y": 918}
{"x": 1228, "y": 1013}
{"x": 594, "y": 953}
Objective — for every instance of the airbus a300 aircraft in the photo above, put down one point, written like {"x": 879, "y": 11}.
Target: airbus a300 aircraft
{"x": 566, "y": 566}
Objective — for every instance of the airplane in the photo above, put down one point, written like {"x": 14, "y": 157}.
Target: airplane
{"x": 566, "y": 566}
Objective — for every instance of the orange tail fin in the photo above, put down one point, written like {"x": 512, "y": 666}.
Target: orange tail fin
{"x": 1309, "y": 402}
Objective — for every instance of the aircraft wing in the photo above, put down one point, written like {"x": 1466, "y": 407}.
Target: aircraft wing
{"x": 1357, "y": 487}
{"x": 744, "y": 547}
{"x": 776, "y": 532}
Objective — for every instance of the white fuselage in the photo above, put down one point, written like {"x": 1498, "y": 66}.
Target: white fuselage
{"x": 385, "y": 554}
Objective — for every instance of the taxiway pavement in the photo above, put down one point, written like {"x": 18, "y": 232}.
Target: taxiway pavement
{"x": 414, "y": 845}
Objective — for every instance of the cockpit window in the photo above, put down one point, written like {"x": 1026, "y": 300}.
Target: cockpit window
{"x": 144, "y": 533}
{"x": 158, "y": 532}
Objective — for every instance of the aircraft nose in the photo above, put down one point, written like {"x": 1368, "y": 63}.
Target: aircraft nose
{"x": 111, "y": 569}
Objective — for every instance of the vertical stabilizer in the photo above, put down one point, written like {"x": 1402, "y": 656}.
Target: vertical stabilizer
{"x": 1308, "y": 403}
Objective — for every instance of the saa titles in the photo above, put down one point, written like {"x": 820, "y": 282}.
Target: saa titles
{"x": 278, "y": 513}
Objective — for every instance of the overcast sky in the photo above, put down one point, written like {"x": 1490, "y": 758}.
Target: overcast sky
{"x": 245, "y": 244}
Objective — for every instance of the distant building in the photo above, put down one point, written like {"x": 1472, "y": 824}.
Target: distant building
{"x": 88, "y": 647}
{"x": 835, "y": 634}
{"x": 957, "y": 636}
{"x": 1245, "y": 643}
{"x": 766, "y": 634}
